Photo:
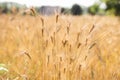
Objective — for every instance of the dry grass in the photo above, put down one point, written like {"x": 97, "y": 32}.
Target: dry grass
{"x": 60, "y": 47}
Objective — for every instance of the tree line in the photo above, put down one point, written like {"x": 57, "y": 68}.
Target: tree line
{"x": 102, "y": 7}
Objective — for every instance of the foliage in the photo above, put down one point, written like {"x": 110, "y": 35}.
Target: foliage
{"x": 113, "y": 6}
{"x": 10, "y": 7}
{"x": 94, "y": 9}
{"x": 76, "y": 9}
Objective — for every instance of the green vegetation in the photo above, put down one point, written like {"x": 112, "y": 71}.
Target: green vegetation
{"x": 76, "y": 10}
{"x": 94, "y": 9}
{"x": 10, "y": 7}
{"x": 112, "y": 8}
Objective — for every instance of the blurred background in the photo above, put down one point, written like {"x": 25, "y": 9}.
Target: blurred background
{"x": 71, "y": 7}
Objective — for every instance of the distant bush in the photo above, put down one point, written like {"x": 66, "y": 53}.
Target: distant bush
{"x": 76, "y": 9}
{"x": 93, "y": 9}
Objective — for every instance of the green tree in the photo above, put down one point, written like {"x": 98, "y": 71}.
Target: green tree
{"x": 76, "y": 9}
{"x": 94, "y": 9}
{"x": 113, "y": 6}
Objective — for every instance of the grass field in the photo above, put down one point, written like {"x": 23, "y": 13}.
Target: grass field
{"x": 60, "y": 47}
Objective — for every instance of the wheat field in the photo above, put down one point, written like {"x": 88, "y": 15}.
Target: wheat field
{"x": 60, "y": 47}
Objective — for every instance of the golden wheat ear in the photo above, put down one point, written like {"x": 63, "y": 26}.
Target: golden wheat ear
{"x": 42, "y": 20}
{"x": 57, "y": 16}
{"x": 32, "y": 9}
{"x": 92, "y": 29}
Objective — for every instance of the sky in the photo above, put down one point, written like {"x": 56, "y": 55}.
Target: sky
{"x": 63, "y": 3}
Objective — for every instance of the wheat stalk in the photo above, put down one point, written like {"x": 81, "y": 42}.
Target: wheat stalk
{"x": 57, "y": 16}
{"x": 28, "y": 55}
{"x": 92, "y": 45}
{"x": 92, "y": 29}
{"x": 79, "y": 44}
{"x": 42, "y": 20}
{"x": 68, "y": 28}
{"x": 33, "y": 11}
